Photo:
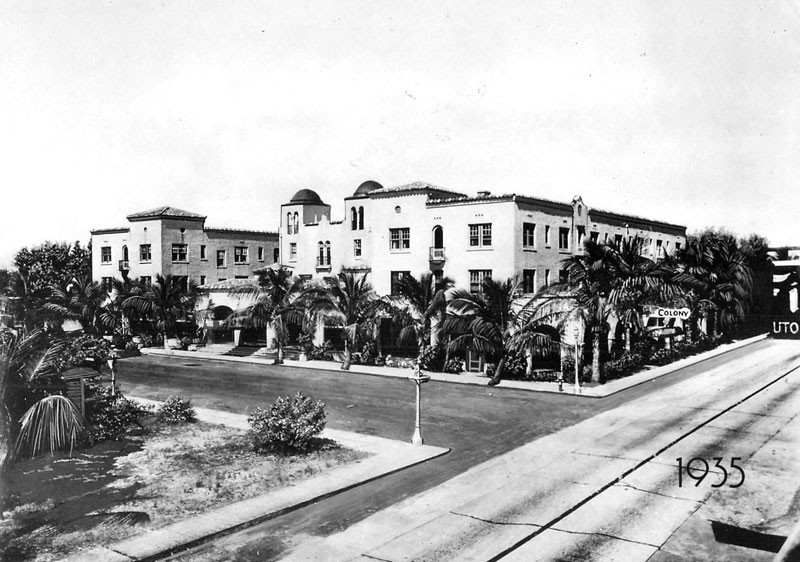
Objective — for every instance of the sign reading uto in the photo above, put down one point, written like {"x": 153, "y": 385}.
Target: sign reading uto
{"x": 786, "y": 328}
{"x": 682, "y": 313}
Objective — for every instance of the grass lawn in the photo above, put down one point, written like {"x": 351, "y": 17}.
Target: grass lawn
{"x": 54, "y": 506}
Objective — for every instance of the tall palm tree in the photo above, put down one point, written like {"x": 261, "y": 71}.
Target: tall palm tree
{"x": 28, "y": 366}
{"x": 482, "y": 321}
{"x": 719, "y": 279}
{"x": 276, "y": 305}
{"x": 419, "y": 306}
{"x": 79, "y": 299}
{"x": 113, "y": 315}
{"x": 348, "y": 300}
{"x": 164, "y": 302}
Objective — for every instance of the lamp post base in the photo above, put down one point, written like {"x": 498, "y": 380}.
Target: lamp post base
{"x": 416, "y": 439}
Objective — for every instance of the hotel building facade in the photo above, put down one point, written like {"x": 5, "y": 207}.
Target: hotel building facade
{"x": 418, "y": 227}
{"x": 170, "y": 241}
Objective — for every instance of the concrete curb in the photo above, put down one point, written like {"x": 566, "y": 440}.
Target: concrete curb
{"x": 602, "y": 391}
{"x": 389, "y": 456}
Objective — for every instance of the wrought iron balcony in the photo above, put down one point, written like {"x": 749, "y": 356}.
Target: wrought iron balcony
{"x": 124, "y": 265}
{"x": 437, "y": 254}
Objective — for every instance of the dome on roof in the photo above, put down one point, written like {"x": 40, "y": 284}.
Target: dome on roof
{"x": 367, "y": 187}
{"x": 307, "y": 196}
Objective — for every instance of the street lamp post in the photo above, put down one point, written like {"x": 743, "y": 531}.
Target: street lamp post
{"x": 419, "y": 379}
{"x": 577, "y": 362}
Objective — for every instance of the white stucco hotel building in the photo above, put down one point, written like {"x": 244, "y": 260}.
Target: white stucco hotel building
{"x": 418, "y": 227}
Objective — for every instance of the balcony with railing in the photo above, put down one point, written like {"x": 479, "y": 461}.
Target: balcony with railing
{"x": 124, "y": 265}
{"x": 323, "y": 263}
{"x": 437, "y": 254}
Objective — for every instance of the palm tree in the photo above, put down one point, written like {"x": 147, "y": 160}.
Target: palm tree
{"x": 349, "y": 300}
{"x": 113, "y": 315}
{"x": 28, "y": 366}
{"x": 276, "y": 305}
{"x": 419, "y": 307}
{"x": 165, "y": 301}
{"x": 482, "y": 321}
{"x": 81, "y": 300}
{"x": 719, "y": 280}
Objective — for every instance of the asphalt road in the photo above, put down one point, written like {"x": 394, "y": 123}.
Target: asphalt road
{"x": 477, "y": 423}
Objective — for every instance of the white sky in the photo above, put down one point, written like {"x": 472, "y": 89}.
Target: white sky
{"x": 683, "y": 111}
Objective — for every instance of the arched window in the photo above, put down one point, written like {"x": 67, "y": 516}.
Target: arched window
{"x": 125, "y": 253}
{"x": 353, "y": 219}
{"x": 361, "y": 218}
{"x": 327, "y": 253}
{"x": 321, "y": 256}
{"x": 289, "y": 223}
{"x": 296, "y": 223}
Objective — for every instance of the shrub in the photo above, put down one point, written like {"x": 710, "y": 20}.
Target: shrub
{"x": 176, "y": 410}
{"x": 369, "y": 353}
{"x": 626, "y": 364}
{"x": 109, "y": 416}
{"x": 290, "y": 425}
{"x": 86, "y": 350}
{"x": 322, "y": 352}
{"x": 662, "y": 357}
{"x": 454, "y": 366}
{"x": 432, "y": 359}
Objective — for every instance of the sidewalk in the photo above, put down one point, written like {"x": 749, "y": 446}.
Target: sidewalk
{"x": 388, "y": 456}
{"x": 599, "y": 391}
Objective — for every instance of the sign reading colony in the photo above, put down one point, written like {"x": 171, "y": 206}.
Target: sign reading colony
{"x": 786, "y": 328}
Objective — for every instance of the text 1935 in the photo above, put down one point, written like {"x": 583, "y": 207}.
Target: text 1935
{"x": 698, "y": 468}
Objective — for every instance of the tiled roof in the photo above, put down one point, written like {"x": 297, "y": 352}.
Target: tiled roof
{"x": 109, "y": 230}
{"x": 169, "y": 212}
{"x": 234, "y": 230}
{"x": 413, "y": 187}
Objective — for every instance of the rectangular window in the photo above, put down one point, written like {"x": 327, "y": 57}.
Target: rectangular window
{"x": 241, "y": 277}
{"x": 146, "y": 280}
{"x": 594, "y": 236}
{"x": 476, "y": 277}
{"x": 563, "y": 238}
{"x": 396, "y": 276}
{"x": 293, "y": 251}
{"x": 528, "y": 280}
{"x": 399, "y": 238}
{"x": 547, "y": 236}
{"x": 105, "y": 254}
{"x": 618, "y": 239}
{"x": 357, "y": 248}
{"x": 179, "y": 252}
{"x": 145, "y": 253}
{"x": 240, "y": 254}
{"x": 202, "y": 279}
{"x": 260, "y": 253}
{"x": 203, "y": 255}
{"x": 528, "y": 235}
{"x": 677, "y": 246}
{"x": 220, "y": 258}
{"x": 480, "y": 235}
{"x": 563, "y": 276}
{"x": 108, "y": 284}
{"x": 546, "y": 277}
{"x": 581, "y": 235}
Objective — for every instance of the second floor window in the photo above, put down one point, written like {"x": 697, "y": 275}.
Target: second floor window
{"x": 547, "y": 236}
{"x": 203, "y": 255}
{"x": 145, "y": 252}
{"x": 179, "y": 252}
{"x": 220, "y": 258}
{"x": 105, "y": 254}
{"x": 399, "y": 238}
{"x": 563, "y": 238}
{"x": 480, "y": 235}
{"x": 260, "y": 253}
{"x": 357, "y": 248}
{"x": 528, "y": 235}
{"x": 240, "y": 254}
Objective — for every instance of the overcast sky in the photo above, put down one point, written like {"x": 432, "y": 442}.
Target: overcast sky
{"x": 681, "y": 111}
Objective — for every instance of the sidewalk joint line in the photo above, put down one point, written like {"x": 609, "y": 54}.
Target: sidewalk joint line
{"x": 631, "y": 486}
{"x": 491, "y": 522}
{"x": 607, "y": 535}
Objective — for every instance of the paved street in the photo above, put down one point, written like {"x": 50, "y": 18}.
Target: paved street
{"x": 477, "y": 423}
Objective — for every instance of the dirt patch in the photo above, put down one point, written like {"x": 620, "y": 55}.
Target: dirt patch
{"x": 54, "y": 506}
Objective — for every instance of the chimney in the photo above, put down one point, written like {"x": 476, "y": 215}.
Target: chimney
{"x": 484, "y": 193}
